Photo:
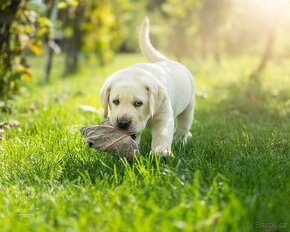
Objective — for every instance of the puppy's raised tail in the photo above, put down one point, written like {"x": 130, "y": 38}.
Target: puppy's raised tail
{"x": 145, "y": 45}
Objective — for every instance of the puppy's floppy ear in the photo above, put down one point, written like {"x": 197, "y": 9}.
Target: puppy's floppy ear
{"x": 105, "y": 94}
{"x": 157, "y": 97}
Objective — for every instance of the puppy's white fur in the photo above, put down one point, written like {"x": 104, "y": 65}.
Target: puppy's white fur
{"x": 152, "y": 94}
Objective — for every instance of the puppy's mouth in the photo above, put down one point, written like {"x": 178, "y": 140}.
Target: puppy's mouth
{"x": 133, "y": 136}
{"x": 130, "y": 133}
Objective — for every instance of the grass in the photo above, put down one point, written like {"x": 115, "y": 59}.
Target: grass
{"x": 232, "y": 176}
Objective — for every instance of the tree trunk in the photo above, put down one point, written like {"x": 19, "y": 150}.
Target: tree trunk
{"x": 73, "y": 43}
{"x": 48, "y": 63}
{"x": 50, "y": 41}
{"x": 255, "y": 75}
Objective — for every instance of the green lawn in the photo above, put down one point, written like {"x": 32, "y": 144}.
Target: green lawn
{"x": 233, "y": 175}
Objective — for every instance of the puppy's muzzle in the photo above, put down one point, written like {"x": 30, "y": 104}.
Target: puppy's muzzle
{"x": 123, "y": 124}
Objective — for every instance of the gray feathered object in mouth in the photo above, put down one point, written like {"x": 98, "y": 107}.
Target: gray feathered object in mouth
{"x": 107, "y": 138}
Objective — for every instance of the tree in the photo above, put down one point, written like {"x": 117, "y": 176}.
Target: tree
{"x": 183, "y": 16}
{"x": 9, "y": 45}
{"x": 20, "y": 28}
{"x": 103, "y": 28}
{"x": 72, "y": 18}
{"x": 51, "y": 46}
{"x": 271, "y": 18}
{"x": 214, "y": 16}
{"x": 265, "y": 56}
{"x": 91, "y": 29}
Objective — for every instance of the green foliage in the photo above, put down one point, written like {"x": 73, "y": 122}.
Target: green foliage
{"x": 102, "y": 34}
{"x": 207, "y": 27}
{"x": 9, "y": 46}
{"x": 97, "y": 30}
{"x": 105, "y": 28}
{"x": 184, "y": 18}
{"x": 21, "y": 28}
{"x": 233, "y": 175}
{"x": 200, "y": 26}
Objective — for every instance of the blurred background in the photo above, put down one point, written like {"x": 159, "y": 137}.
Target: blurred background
{"x": 92, "y": 32}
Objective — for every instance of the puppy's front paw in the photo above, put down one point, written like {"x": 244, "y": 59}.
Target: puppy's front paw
{"x": 163, "y": 152}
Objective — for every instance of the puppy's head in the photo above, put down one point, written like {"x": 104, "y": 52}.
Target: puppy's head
{"x": 132, "y": 101}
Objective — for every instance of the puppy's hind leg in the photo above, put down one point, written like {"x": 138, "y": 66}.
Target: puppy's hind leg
{"x": 184, "y": 123}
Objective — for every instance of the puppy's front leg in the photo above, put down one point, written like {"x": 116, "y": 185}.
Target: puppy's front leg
{"x": 162, "y": 133}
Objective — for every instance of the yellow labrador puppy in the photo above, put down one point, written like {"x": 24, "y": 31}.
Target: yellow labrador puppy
{"x": 151, "y": 94}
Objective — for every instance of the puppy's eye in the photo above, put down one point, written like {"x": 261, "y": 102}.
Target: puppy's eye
{"x": 116, "y": 102}
{"x": 138, "y": 103}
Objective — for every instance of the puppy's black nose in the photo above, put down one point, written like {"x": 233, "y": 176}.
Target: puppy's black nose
{"x": 123, "y": 124}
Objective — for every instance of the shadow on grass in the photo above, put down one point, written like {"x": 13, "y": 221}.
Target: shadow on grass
{"x": 234, "y": 136}
{"x": 245, "y": 137}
